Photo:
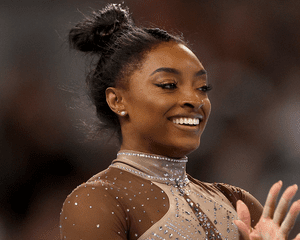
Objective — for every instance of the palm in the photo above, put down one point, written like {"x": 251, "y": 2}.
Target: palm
{"x": 274, "y": 223}
{"x": 267, "y": 229}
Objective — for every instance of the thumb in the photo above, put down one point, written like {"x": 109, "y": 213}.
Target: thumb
{"x": 243, "y": 213}
{"x": 243, "y": 229}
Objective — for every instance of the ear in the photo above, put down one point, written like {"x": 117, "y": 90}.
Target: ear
{"x": 114, "y": 100}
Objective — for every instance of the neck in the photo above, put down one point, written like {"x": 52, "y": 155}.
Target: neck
{"x": 167, "y": 151}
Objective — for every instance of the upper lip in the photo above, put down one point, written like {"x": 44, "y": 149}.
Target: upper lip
{"x": 200, "y": 116}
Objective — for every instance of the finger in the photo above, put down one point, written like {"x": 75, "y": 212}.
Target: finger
{"x": 271, "y": 200}
{"x": 255, "y": 236}
{"x": 283, "y": 204}
{"x": 243, "y": 229}
{"x": 290, "y": 219}
{"x": 243, "y": 213}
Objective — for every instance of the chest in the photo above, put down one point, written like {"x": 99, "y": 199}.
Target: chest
{"x": 192, "y": 214}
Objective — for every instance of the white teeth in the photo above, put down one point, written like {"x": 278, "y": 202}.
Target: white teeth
{"x": 186, "y": 121}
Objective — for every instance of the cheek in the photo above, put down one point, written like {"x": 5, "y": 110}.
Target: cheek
{"x": 207, "y": 107}
{"x": 149, "y": 109}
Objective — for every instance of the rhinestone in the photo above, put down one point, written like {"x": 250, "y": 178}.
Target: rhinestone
{"x": 185, "y": 216}
{"x": 185, "y": 159}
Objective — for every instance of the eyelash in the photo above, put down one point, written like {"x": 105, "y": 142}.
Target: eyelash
{"x": 174, "y": 85}
{"x": 167, "y": 85}
{"x": 206, "y": 88}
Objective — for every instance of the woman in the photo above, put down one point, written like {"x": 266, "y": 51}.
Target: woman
{"x": 151, "y": 89}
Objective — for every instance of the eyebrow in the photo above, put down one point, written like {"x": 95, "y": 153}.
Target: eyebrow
{"x": 175, "y": 71}
{"x": 201, "y": 72}
{"x": 164, "y": 69}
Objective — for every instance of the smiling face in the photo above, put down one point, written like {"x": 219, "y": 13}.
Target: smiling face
{"x": 166, "y": 102}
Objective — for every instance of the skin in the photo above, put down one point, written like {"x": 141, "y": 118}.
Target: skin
{"x": 147, "y": 127}
{"x": 150, "y": 106}
{"x": 276, "y": 221}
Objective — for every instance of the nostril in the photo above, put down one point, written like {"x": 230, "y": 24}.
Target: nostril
{"x": 194, "y": 105}
{"x": 189, "y": 105}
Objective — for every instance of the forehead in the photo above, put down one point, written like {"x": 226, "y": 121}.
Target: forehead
{"x": 171, "y": 55}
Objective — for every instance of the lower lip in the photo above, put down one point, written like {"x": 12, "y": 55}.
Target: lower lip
{"x": 191, "y": 128}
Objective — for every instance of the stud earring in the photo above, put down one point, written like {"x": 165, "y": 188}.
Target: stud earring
{"x": 123, "y": 113}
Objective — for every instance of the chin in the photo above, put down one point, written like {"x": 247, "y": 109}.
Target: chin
{"x": 190, "y": 148}
{"x": 184, "y": 148}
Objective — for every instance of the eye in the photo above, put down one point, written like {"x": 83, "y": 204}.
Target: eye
{"x": 205, "y": 88}
{"x": 167, "y": 85}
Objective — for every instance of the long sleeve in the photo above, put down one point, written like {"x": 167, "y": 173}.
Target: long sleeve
{"x": 90, "y": 212}
{"x": 233, "y": 194}
{"x": 113, "y": 204}
{"x": 122, "y": 203}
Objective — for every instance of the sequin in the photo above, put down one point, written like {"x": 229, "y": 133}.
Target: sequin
{"x": 152, "y": 198}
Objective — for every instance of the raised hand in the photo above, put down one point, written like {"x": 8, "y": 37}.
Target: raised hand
{"x": 274, "y": 223}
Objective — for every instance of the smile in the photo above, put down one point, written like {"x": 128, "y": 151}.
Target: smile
{"x": 187, "y": 121}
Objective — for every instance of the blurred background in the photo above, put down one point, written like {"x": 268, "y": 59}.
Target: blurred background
{"x": 251, "y": 50}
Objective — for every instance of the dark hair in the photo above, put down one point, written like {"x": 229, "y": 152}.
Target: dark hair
{"x": 111, "y": 35}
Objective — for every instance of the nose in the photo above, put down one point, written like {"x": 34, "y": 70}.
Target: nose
{"x": 192, "y": 104}
{"x": 191, "y": 98}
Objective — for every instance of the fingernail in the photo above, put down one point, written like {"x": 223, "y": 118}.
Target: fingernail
{"x": 280, "y": 182}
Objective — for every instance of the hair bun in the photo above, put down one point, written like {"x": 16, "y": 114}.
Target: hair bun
{"x": 158, "y": 33}
{"x": 94, "y": 33}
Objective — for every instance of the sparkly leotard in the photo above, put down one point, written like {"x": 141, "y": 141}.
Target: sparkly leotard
{"x": 150, "y": 197}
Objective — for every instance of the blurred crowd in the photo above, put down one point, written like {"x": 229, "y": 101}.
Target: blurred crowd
{"x": 251, "y": 50}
